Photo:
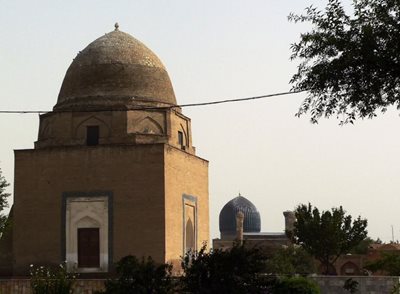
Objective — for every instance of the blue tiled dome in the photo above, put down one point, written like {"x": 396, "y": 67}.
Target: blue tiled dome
{"x": 227, "y": 216}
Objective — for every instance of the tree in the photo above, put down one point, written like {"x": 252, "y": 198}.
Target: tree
{"x": 289, "y": 261}
{"x": 364, "y": 245}
{"x": 388, "y": 263}
{"x": 230, "y": 271}
{"x": 349, "y": 64}
{"x": 3, "y": 202}
{"x": 140, "y": 277}
{"x": 327, "y": 235}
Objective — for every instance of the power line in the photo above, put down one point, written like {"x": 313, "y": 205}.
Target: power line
{"x": 241, "y": 99}
{"x": 160, "y": 107}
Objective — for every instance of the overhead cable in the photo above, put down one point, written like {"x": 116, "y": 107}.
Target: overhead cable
{"x": 161, "y": 107}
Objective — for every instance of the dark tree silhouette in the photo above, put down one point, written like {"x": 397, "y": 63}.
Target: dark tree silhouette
{"x": 143, "y": 276}
{"x": 226, "y": 271}
{"x": 3, "y": 202}
{"x": 349, "y": 63}
{"x": 327, "y": 235}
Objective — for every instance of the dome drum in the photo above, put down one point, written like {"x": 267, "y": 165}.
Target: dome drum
{"x": 115, "y": 92}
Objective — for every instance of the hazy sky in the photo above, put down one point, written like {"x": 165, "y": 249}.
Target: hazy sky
{"x": 213, "y": 50}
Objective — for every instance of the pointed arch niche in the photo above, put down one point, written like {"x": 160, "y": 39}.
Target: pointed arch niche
{"x": 185, "y": 140}
{"x": 46, "y": 130}
{"x": 349, "y": 269}
{"x": 189, "y": 223}
{"x": 81, "y": 129}
{"x": 149, "y": 126}
{"x": 86, "y": 221}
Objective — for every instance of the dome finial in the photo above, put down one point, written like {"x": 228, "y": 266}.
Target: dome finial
{"x": 116, "y": 26}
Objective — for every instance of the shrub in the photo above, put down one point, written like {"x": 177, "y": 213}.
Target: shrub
{"x": 351, "y": 285}
{"x": 51, "y": 280}
{"x": 231, "y": 271}
{"x": 140, "y": 277}
{"x": 298, "y": 285}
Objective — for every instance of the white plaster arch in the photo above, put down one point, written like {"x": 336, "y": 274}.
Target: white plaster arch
{"x": 88, "y": 216}
{"x": 87, "y": 222}
{"x": 86, "y": 212}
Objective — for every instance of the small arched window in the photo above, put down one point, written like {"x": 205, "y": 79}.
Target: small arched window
{"x": 92, "y": 135}
{"x": 181, "y": 140}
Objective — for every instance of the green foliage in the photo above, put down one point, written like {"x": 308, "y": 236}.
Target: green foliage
{"x": 388, "y": 263}
{"x": 289, "y": 261}
{"x": 298, "y": 285}
{"x": 140, "y": 277}
{"x": 3, "y": 194}
{"x": 351, "y": 285}
{"x": 231, "y": 271}
{"x": 3, "y": 202}
{"x": 328, "y": 234}
{"x": 349, "y": 63}
{"x": 363, "y": 246}
{"x": 51, "y": 280}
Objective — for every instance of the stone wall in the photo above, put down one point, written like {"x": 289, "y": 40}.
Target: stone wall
{"x": 366, "y": 285}
{"x": 19, "y": 286}
{"x": 328, "y": 285}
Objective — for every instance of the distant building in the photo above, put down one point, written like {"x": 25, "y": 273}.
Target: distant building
{"x": 353, "y": 264}
{"x": 239, "y": 221}
{"x": 113, "y": 171}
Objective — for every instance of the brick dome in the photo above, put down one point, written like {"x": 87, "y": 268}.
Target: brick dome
{"x": 227, "y": 216}
{"x": 115, "y": 71}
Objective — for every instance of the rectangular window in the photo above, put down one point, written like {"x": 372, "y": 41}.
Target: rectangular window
{"x": 180, "y": 138}
{"x": 88, "y": 247}
{"x": 92, "y": 135}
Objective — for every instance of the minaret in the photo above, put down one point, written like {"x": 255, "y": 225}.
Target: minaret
{"x": 239, "y": 227}
{"x": 290, "y": 219}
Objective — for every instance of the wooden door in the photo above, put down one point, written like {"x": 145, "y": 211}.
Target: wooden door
{"x": 88, "y": 247}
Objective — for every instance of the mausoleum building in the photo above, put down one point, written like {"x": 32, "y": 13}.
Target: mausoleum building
{"x": 113, "y": 171}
